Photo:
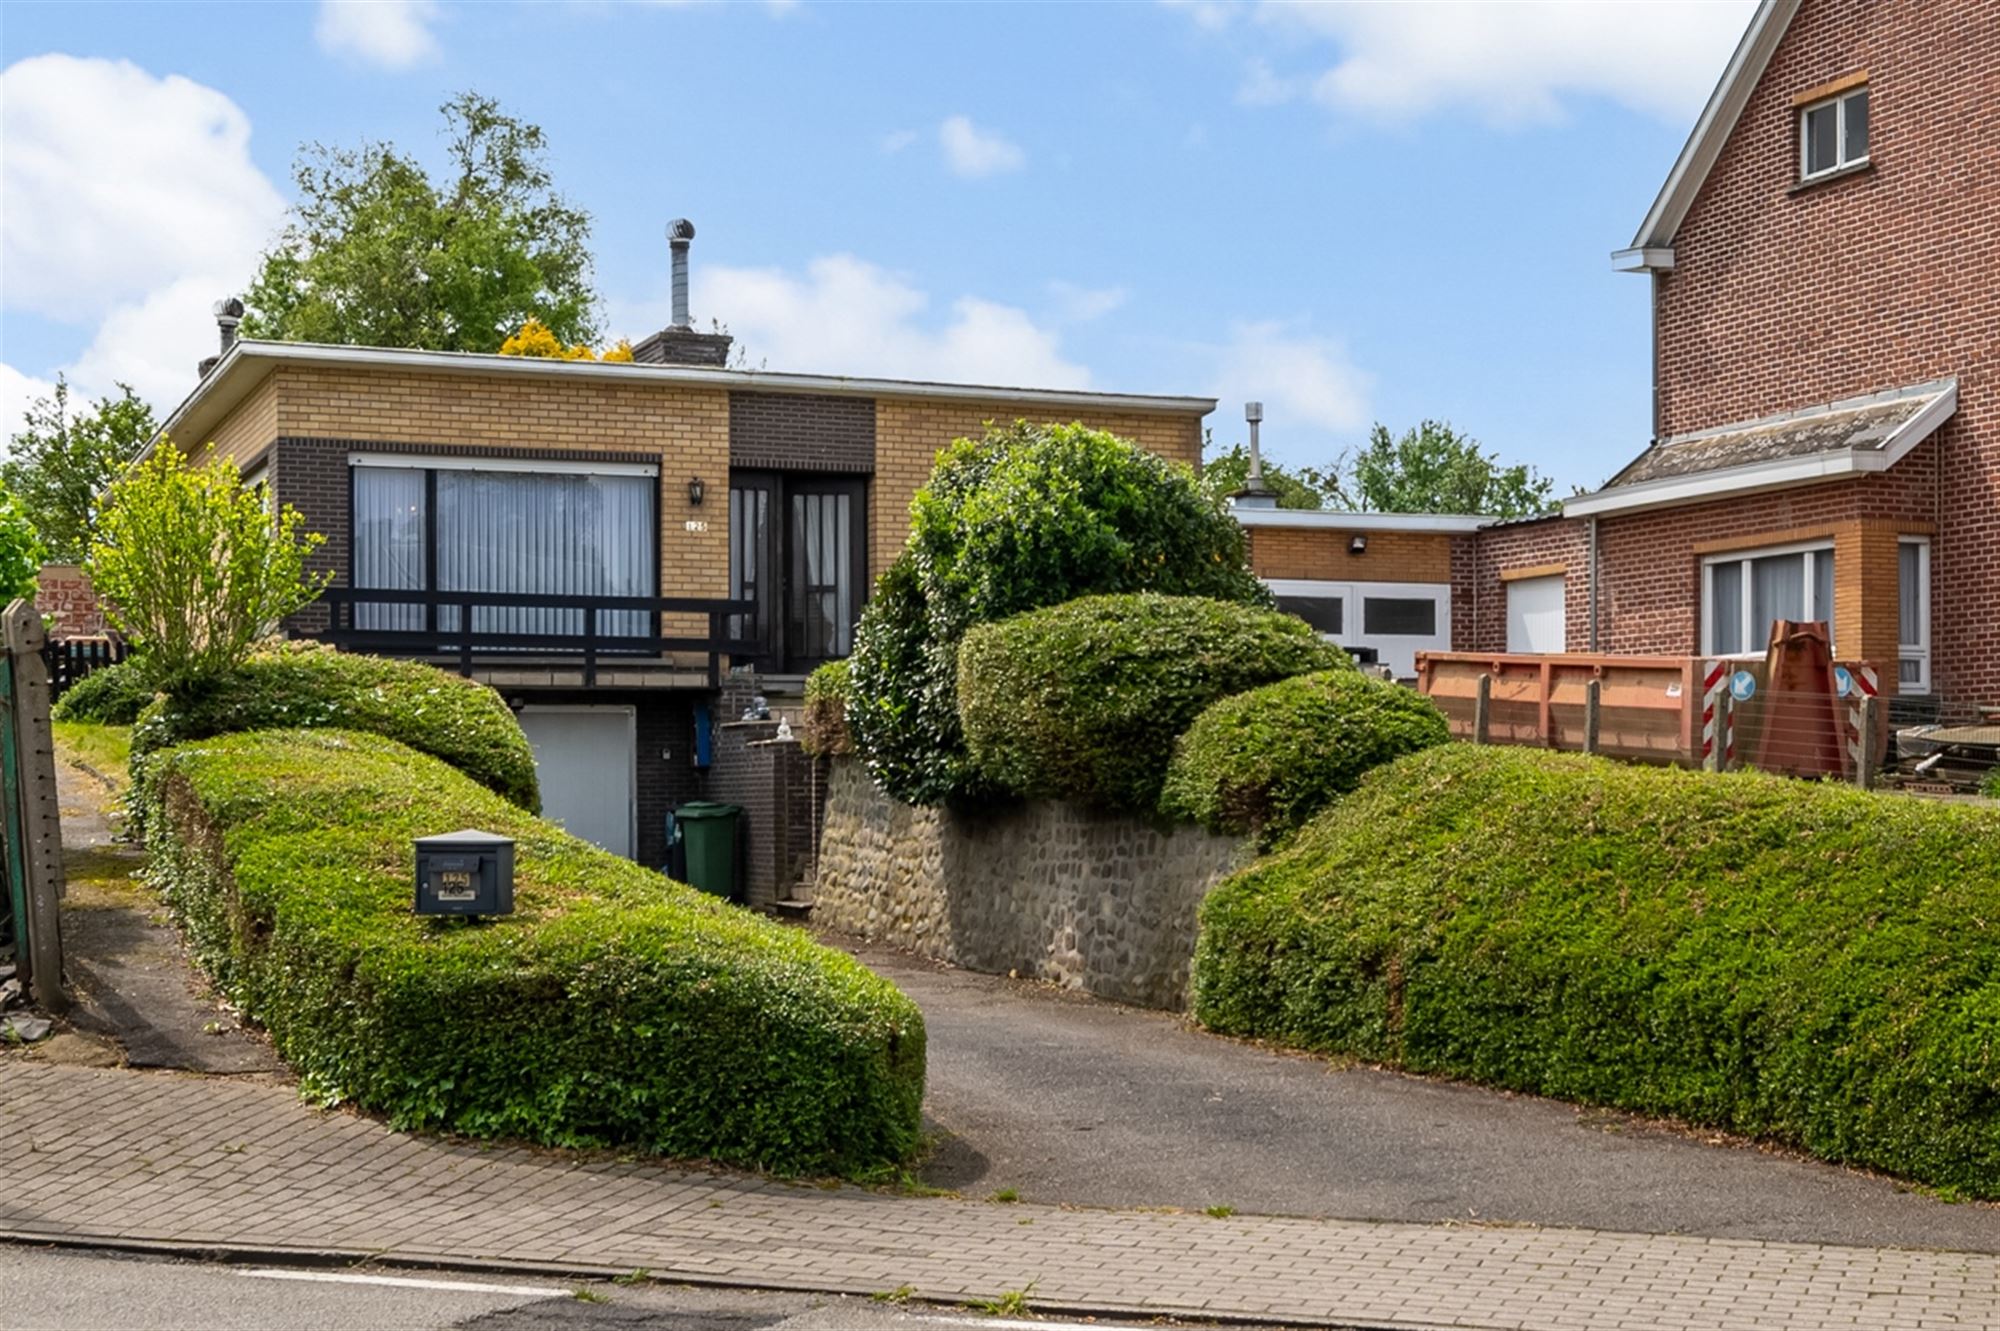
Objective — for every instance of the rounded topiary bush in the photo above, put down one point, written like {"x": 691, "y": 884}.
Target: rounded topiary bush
{"x": 1030, "y": 515}
{"x": 111, "y": 695}
{"x": 1267, "y": 760}
{"x": 1792, "y": 960}
{"x": 305, "y": 685}
{"x": 1083, "y": 701}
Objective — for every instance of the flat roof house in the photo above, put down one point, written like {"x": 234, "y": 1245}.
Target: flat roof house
{"x": 638, "y": 500}
{"x": 1824, "y": 264}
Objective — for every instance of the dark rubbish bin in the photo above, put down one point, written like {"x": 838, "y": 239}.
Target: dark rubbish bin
{"x": 708, "y": 834}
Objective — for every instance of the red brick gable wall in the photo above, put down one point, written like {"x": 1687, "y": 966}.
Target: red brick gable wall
{"x": 1782, "y": 297}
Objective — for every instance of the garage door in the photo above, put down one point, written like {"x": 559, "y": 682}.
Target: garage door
{"x": 1535, "y": 620}
{"x": 585, "y": 759}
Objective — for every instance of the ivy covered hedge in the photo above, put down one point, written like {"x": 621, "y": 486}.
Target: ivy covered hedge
{"x": 1267, "y": 760}
{"x": 1801, "y": 962}
{"x": 1083, "y": 701}
{"x": 824, "y": 733}
{"x": 1028, "y": 516}
{"x": 614, "y": 1006}
{"x": 297, "y": 684}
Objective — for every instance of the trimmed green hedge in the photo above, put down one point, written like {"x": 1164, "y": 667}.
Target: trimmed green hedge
{"x": 1266, "y": 761}
{"x": 1084, "y": 700}
{"x": 613, "y": 1007}
{"x": 825, "y": 730}
{"x": 1802, "y": 962}
{"x": 112, "y": 695}
{"x": 1028, "y": 516}
{"x": 307, "y": 685}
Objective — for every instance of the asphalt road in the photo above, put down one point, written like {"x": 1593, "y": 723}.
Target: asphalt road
{"x": 1065, "y": 1099}
{"x": 50, "y": 1290}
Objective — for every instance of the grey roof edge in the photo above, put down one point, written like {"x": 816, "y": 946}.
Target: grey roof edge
{"x": 245, "y": 364}
{"x": 1717, "y": 120}
{"x": 1882, "y": 397}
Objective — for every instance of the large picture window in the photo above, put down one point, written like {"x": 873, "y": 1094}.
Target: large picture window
{"x": 1744, "y": 594}
{"x": 491, "y": 527}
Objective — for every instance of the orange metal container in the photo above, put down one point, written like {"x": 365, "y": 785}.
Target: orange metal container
{"x": 1648, "y": 707}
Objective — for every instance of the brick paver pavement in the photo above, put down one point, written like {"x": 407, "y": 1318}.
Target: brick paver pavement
{"x": 220, "y": 1163}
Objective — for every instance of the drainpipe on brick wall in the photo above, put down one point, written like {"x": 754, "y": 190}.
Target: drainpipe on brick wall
{"x": 1593, "y": 584}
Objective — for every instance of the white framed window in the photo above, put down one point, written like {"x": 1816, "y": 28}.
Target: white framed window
{"x": 1744, "y": 593}
{"x": 1913, "y": 615}
{"x": 1833, "y": 134}
{"x": 1394, "y": 620}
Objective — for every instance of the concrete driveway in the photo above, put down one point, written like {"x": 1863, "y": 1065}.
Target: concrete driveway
{"x": 1066, "y": 1099}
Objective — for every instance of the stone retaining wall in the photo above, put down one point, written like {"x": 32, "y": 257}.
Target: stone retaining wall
{"x": 1097, "y": 902}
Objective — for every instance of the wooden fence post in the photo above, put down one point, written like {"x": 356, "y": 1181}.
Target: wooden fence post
{"x": 1864, "y": 760}
{"x": 1482, "y": 707}
{"x": 39, "y": 848}
{"x": 1590, "y": 715}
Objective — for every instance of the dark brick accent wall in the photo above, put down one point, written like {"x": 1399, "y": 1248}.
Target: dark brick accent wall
{"x": 684, "y": 346}
{"x": 782, "y": 793}
{"x": 802, "y": 432}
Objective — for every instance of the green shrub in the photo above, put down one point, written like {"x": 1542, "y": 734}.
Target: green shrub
{"x": 1083, "y": 701}
{"x": 825, "y": 728}
{"x": 613, "y": 1007}
{"x": 1802, "y": 962}
{"x": 291, "y": 685}
{"x": 1992, "y": 786}
{"x": 1267, "y": 760}
{"x": 112, "y": 695}
{"x": 1031, "y": 515}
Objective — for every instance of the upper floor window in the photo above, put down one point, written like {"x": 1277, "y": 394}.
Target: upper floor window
{"x": 1833, "y": 134}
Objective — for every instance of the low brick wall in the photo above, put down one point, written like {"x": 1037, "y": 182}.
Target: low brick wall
{"x": 1096, "y": 902}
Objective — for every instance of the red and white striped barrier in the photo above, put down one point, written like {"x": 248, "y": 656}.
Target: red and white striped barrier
{"x": 1717, "y": 716}
{"x": 1862, "y": 684}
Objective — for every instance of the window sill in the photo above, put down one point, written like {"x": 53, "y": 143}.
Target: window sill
{"x": 1860, "y": 168}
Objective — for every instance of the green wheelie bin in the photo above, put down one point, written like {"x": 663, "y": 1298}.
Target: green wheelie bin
{"x": 709, "y": 832}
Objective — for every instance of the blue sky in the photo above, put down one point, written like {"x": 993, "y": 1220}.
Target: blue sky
{"x": 1356, "y": 213}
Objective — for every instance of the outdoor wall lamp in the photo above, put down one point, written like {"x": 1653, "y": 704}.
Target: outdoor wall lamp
{"x": 1357, "y": 545}
{"x": 696, "y": 489}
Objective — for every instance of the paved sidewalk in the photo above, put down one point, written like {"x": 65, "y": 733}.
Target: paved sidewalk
{"x": 237, "y": 1163}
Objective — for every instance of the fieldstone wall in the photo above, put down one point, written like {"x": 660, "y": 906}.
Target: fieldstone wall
{"x": 1098, "y": 902}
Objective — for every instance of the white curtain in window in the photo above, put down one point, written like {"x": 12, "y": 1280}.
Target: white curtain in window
{"x": 389, "y": 542}
{"x": 1777, "y": 591}
{"x": 536, "y": 532}
{"x": 1910, "y": 595}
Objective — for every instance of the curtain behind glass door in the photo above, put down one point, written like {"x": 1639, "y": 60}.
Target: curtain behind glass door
{"x": 389, "y": 543}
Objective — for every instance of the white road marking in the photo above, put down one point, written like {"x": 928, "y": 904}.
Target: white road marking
{"x": 1009, "y": 1323}
{"x": 406, "y": 1282}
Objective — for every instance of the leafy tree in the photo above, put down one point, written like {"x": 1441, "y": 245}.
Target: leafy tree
{"x": 194, "y": 567}
{"x": 61, "y": 461}
{"x": 1435, "y": 469}
{"x": 533, "y": 339}
{"x": 379, "y": 254}
{"x": 1226, "y": 473}
{"x": 20, "y": 550}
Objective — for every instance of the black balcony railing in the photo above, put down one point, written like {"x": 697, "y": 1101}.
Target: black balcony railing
{"x": 482, "y": 627}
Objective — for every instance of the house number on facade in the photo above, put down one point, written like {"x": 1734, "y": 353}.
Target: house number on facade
{"x": 696, "y": 524}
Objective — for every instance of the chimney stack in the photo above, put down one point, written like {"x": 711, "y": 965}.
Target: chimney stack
{"x": 1254, "y": 494}
{"x": 678, "y": 343}
{"x": 228, "y": 314}
{"x": 680, "y": 234}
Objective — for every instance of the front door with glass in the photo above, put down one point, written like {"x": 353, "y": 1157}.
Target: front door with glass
{"x": 798, "y": 548}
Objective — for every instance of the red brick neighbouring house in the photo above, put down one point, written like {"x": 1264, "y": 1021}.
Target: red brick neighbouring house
{"x": 1824, "y": 263}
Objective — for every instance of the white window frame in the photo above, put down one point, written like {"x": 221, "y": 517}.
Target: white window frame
{"x": 1395, "y": 650}
{"x": 1919, "y": 651}
{"x": 1813, "y": 550}
{"x": 1841, "y": 161}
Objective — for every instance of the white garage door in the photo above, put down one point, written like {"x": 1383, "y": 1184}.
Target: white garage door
{"x": 1535, "y": 620}
{"x": 585, "y": 759}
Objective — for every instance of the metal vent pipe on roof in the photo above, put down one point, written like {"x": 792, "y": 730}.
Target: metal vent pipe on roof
{"x": 680, "y": 232}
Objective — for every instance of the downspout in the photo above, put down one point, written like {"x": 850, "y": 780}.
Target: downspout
{"x": 1593, "y": 584}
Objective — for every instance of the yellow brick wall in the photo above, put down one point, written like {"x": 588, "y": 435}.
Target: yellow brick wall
{"x": 911, "y": 432}
{"x": 246, "y": 431}
{"x": 687, "y": 429}
{"x": 1321, "y": 553}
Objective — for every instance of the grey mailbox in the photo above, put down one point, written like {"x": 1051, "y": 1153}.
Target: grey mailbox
{"x": 465, "y": 873}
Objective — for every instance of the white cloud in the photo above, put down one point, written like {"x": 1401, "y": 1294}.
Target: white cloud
{"x": 844, "y": 315}
{"x": 116, "y": 182}
{"x": 1508, "y": 62}
{"x": 1212, "y": 15}
{"x": 1080, "y": 304}
{"x": 1304, "y": 381}
{"x": 974, "y": 152}
{"x": 17, "y": 390}
{"x": 389, "y": 34}
{"x": 153, "y": 344}
{"x": 897, "y": 140}
{"x": 1262, "y": 86}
